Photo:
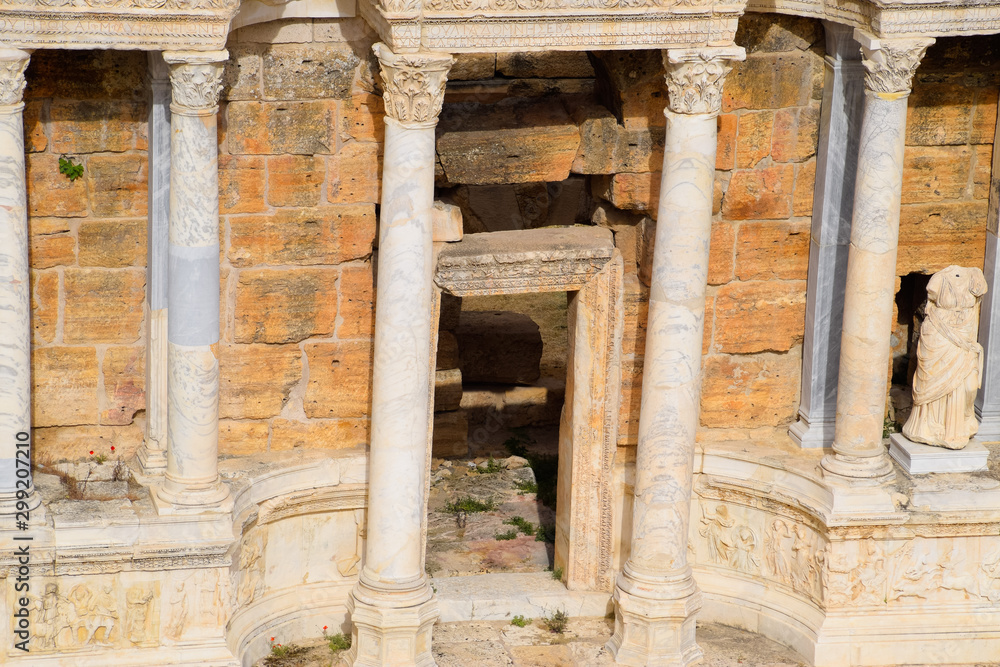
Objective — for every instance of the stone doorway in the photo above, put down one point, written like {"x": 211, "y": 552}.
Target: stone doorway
{"x": 583, "y": 262}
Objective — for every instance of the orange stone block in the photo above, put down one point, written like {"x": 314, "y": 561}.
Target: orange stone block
{"x": 760, "y": 194}
{"x": 242, "y": 438}
{"x": 103, "y": 305}
{"x": 753, "y": 140}
{"x": 339, "y": 380}
{"x": 51, "y": 243}
{"x": 938, "y": 114}
{"x": 720, "y": 259}
{"x": 981, "y": 174}
{"x": 44, "y": 305}
{"x": 364, "y": 119}
{"x": 935, "y": 173}
{"x": 805, "y": 186}
{"x": 35, "y": 138}
{"x": 51, "y": 193}
{"x": 95, "y": 126}
{"x": 124, "y": 373}
{"x": 725, "y": 152}
{"x": 984, "y": 116}
{"x": 242, "y": 184}
{"x": 285, "y": 306}
{"x": 294, "y": 180}
{"x": 325, "y": 235}
{"x": 796, "y": 134}
{"x": 117, "y": 185}
{"x": 357, "y": 302}
{"x": 319, "y": 434}
{"x": 112, "y": 243}
{"x": 759, "y": 316}
{"x": 773, "y": 250}
{"x": 64, "y": 386}
{"x": 74, "y": 443}
{"x": 255, "y": 380}
{"x": 750, "y": 391}
{"x": 934, "y": 236}
{"x": 354, "y": 174}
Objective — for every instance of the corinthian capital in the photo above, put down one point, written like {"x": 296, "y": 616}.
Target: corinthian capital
{"x": 890, "y": 63}
{"x": 414, "y": 85}
{"x": 196, "y": 80}
{"x": 695, "y": 77}
{"x": 12, "y": 65}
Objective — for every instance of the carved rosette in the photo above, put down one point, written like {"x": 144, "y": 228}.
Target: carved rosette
{"x": 13, "y": 62}
{"x": 695, "y": 77}
{"x": 890, "y": 64}
{"x": 414, "y": 85}
{"x": 196, "y": 80}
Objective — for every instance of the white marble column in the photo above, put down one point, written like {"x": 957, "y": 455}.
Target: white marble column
{"x": 392, "y": 606}
{"x": 17, "y": 493}
{"x": 191, "y": 483}
{"x": 152, "y": 455}
{"x": 656, "y": 596}
{"x": 859, "y": 457}
{"x": 836, "y": 167}
{"x": 988, "y": 399}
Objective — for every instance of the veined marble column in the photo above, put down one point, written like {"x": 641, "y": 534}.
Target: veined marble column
{"x": 17, "y": 493}
{"x": 152, "y": 455}
{"x": 392, "y": 606}
{"x": 988, "y": 399}
{"x": 859, "y": 457}
{"x": 656, "y": 596}
{"x": 191, "y": 483}
{"x": 836, "y": 167}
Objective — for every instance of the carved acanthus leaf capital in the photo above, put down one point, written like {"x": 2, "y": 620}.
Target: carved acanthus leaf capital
{"x": 13, "y": 62}
{"x": 695, "y": 77}
{"x": 414, "y": 85}
{"x": 890, "y": 63}
{"x": 196, "y": 79}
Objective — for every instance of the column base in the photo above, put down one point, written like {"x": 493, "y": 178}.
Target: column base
{"x": 149, "y": 462}
{"x": 858, "y": 470}
{"x": 655, "y": 620}
{"x": 214, "y": 499}
{"x": 386, "y": 634}
{"x": 989, "y": 425}
{"x": 812, "y": 435}
{"x": 8, "y": 512}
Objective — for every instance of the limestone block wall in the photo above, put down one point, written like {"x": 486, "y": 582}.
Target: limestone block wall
{"x": 300, "y": 150}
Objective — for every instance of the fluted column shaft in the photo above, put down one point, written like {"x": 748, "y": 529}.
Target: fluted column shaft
{"x": 393, "y": 598}
{"x": 17, "y": 492}
{"x": 191, "y": 483}
{"x": 656, "y": 594}
{"x": 859, "y": 454}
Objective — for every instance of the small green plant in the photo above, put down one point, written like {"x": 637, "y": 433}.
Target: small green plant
{"x": 524, "y": 486}
{"x": 557, "y": 574}
{"x": 509, "y": 535}
{"x": 339, "y": 642}
{"x": 279, "y": 651}
{"x": 522, "y": 524}
{"x": 492, "y": 466}
{"x": 520, "y": 621}
{"x": 470, "y": 505}
{"x": 889, "y": 427}
{"x": 556, "y": 622}
{"x": 545, "y": 533}
{"x": 69, "y": 169}
{"x": 98, "y": 458}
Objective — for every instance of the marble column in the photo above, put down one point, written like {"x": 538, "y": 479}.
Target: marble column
{"x": 988, "y": 399}
{"x": 191, "y": 483}
{"x": 859, "y": 457}
{"x": 393, "y": 607}
{"x": 152, "y": 455}
{"x": 836, "y": 166}
{"x": 17, "y": 493}
{"x": 656, "y": 597}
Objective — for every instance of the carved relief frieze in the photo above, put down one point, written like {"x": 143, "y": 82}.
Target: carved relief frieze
{"x": 413, "y": 85}
{"x": 312, "y": 501}
{"x": 795, "y": 556}
{"x": 248, "y": 577}
{"x": 729, "y": 541}
{"x": 467, "y": 279}
{"x": 93, "y": 614}
{"x": 695, "y": 77}
{"x": 890, "y": 63}
{"x": 348, "y": 565}
{"x": 199, "y": 603}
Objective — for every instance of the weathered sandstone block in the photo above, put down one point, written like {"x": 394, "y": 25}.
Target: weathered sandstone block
{"x": 281, "y": 306}
{"x": 44, "y": 305}
{"x": 759, "y": 316}
{"x": 339, "y": 380}
{"x": 112, "y": 243}
{"x": 447, "y": 390}
{"x": 356, "y": 313}
{"x": 319, "y": 434}
{"x": 64, "y": 386}
{"x": 124, "y": 371}
{"x": 256, "y": 379}
{"x": 750, "y": 391}
{"x": 314, "y": 71}
{"x": 451, "y": 434}
{"x": 324, "y": 235}
{"x": 103, "y": 305}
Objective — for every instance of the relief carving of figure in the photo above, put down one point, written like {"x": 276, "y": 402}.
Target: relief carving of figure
{"x": 54, "y": 614}
{"x": 137, "y": 600}
{"x": 178, "y": 610}
{"x": 775, "y": 557}
{"x": 949, "y": 361}
{"x": 716, "y": 527}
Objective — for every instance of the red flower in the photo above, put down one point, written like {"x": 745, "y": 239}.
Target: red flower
{"x": 112, "y": 448}
{"x": 91, "y": 452}
{"x": 272, "y": 639}
{"x": 324, "y": 627}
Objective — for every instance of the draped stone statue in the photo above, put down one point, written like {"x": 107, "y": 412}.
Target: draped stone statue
{"x": 949, "y": 361}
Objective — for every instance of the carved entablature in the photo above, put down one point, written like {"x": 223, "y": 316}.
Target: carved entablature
{"x": 538, "y": 260}
{"x": 151, "y": 25}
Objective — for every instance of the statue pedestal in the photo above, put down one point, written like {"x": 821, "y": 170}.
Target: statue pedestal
{"x": 920, "y": 459}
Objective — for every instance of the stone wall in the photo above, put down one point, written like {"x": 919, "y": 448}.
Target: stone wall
{"x": 300, "y": 140}
{"x": 524, "y": 140}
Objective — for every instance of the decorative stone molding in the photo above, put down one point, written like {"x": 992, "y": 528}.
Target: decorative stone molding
{"x": 414, "y": 85}
{"x": 695, "y": 77}
{"x": 890, "y": 64}
{"x": 13, "y": 62}
{"x": 196, "y": 80}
